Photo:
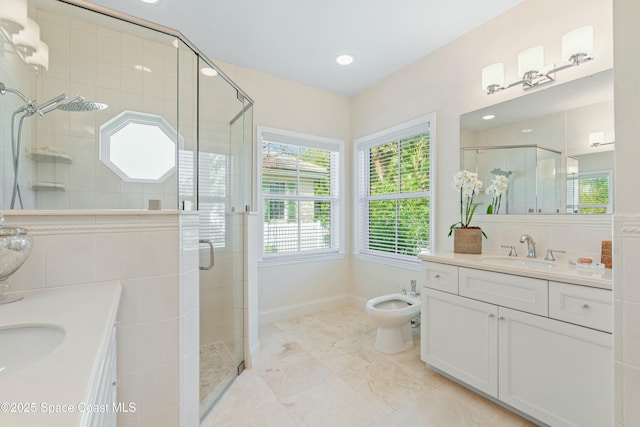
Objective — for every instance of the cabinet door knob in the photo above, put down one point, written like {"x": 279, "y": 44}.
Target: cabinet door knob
{"x": 437, "y": 276}
{"x": 501, "y": 318}
{"x": 585, "y": 306}
{"x": 491, "y": 315}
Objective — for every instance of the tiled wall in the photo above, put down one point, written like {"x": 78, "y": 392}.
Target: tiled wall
{"x": 15, "y": 75}
{"x": 626, "y": 295}
{"x": 155, "y": 257}
{"x": 578, "y": 235}
{"x": 89, "y": 58}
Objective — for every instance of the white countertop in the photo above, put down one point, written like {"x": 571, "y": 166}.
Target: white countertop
{"x": 561, "y": 272}
{"x": 87, "y": 314}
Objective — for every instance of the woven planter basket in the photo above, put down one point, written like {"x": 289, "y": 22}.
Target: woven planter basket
{"x": 467, "y": 240}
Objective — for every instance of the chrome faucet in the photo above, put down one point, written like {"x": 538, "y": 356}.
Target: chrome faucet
{"x": 414, "y": 284}
{"x": 403, "y": 290}
{"x": 531, "y": 245}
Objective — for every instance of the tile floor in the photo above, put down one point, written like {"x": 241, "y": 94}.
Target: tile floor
{"x": 321, "y": 370}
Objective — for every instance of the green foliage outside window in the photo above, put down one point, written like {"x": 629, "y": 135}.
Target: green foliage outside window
{"x": 399, "y": 220}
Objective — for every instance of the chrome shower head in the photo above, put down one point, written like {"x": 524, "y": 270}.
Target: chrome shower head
{"x": 82, "y": 106}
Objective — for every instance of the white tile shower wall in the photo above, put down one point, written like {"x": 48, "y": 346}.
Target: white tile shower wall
{"x": 98, "y": 63}
{"x": 579, "y": 235}
{"x": 154, "y": 255}
{"x": 626, "y": 242}
{"x": 14, "y": 73}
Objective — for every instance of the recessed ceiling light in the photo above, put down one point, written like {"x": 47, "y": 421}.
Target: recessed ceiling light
{"x": 142, "y": 68}
{"x": 209, "y": 72}
{"x": 150, "y": 1}
{"x": 345, "y": 59}
{"x": 489, "y": 117}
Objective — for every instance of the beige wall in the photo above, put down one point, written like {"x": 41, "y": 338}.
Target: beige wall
{"x": 448, "y": 82}
{"x": 298, "y": 288}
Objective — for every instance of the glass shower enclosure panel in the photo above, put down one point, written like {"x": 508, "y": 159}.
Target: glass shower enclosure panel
{"x": 221, "y": 203}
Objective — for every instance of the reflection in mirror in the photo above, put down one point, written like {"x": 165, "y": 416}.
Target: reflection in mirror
{"x": 554, "y": 145}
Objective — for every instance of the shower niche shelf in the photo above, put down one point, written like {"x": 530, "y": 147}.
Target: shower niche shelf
{"x": 47, "y": 156}
{"x": 48, "y": 186}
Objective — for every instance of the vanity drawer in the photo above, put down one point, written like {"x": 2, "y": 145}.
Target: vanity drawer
{"x": 507, "y": 290}
{"x": 582, "y": 305}
{"x": 442, "y": 277}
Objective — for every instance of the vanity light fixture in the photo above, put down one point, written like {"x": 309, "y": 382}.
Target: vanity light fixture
{"x": 577, "y": 48}
{"x": 596, "y": 139}
{"x": 40, "y": 58}
{"x": 13, "y": 16}
{"x": 27, "y": 39}
{"x": 344, "y": 59}
{"x": 142, "y": 68}
{"x": 489, "y": 117}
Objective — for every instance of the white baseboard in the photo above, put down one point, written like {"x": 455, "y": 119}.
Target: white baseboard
{"x": 294, "y": 310}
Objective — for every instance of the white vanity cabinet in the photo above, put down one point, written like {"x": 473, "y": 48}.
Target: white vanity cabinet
{"x": 506, "y": 336}
{"x": 557, "y": 372}
{"x": 461, "y": 339}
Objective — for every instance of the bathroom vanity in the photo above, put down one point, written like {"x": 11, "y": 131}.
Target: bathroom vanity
{"x": 58, "y": 357}
{"x": 533, "y": 335}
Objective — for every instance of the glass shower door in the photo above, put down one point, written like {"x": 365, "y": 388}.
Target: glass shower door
{"x": 221, "y": 202}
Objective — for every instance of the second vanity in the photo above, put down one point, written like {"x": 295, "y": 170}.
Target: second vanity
{"x": 58, "y": 360}
{"x": 533, "y": 335}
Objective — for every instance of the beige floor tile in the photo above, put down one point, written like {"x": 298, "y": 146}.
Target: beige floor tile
{"x": 249, "y": 393}
{"x": 294, "y": 374}
{"x": 387, "y": 385}
{"x": 332, "y": 403}
{"x": 321, "y": 370}
{"x": 272, "y": 415}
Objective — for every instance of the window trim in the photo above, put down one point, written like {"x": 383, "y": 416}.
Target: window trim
{"x": 310, "y": 141}
{"x": 121, "y": 121}
{"x": 400, "y": 131}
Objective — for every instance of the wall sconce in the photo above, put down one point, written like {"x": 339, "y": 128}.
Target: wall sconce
{"x": 596, "y": 139}
{"x": 13, "y": 15}
{"x": 577, "y": 47}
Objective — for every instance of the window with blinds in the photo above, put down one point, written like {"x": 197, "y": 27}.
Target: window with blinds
{"x": 212, "y": 192}
{"x": 588, "y": 193}
{"x": 394, "y": 187}
{"x": 299, "y": 193}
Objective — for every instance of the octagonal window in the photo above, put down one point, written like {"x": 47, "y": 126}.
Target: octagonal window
{"x": 139, "y": 147}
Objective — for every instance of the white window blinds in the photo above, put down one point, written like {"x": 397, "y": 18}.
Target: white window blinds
{"x": 212, "y": 192}
{"x": 588, "y": 193}
{"x": 299, "y": 195}
{"x": 394, "y": 185}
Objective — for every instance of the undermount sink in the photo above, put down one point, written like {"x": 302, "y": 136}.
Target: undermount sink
{"x": 23, "y": 345}
{"x": 518, "y": 262}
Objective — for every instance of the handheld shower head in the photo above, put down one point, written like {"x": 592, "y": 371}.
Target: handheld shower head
{"x": 50, "y": 105}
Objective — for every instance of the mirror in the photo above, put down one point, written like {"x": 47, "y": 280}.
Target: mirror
{"x": 554, "y": 145}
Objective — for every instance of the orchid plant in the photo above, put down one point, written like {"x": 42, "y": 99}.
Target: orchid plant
{"x": 468, "y": 185}
{"x": 496, "y": 190}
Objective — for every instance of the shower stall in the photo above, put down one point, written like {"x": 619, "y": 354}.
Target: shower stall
{"x": 535, "y": 176}
{"x": 177, "y": 135}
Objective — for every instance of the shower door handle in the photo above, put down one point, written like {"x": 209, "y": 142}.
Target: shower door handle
{"x": 212, "y": 258}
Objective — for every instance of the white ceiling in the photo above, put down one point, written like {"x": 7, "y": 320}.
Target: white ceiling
{"x": 299, "y": 39}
